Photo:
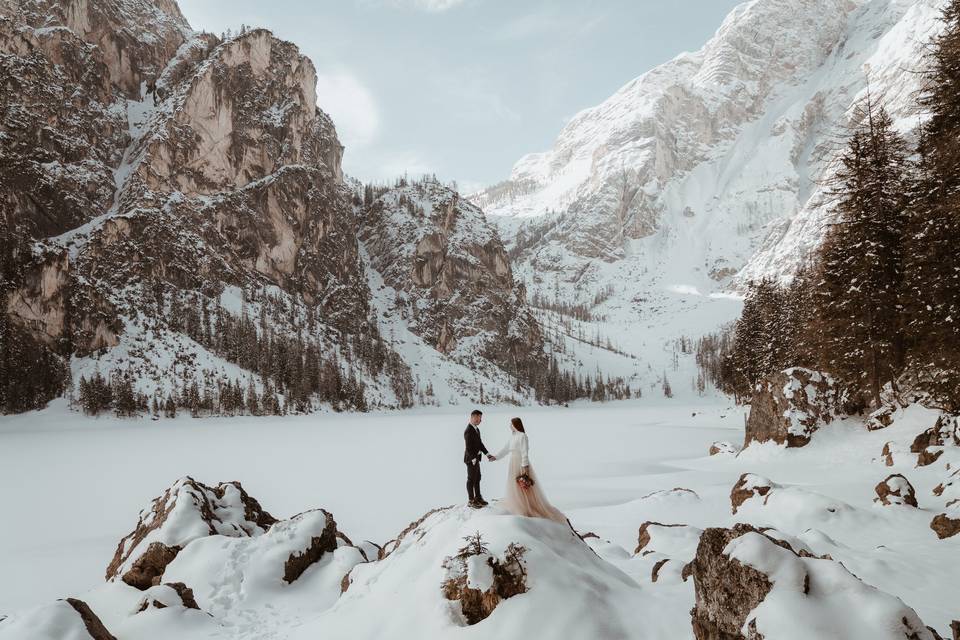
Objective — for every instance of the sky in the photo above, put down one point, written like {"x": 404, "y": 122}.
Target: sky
{"x": 464, "y": 88}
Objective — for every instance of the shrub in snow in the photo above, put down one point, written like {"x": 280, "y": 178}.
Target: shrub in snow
{"x": 725, "y": 448}
{"x": 789, "y": 406}
{"x": 749, "y": 584}
{"x": 896, "y": 489}
{"x": 186, "y": 511}
{"x": 480, "y": 580}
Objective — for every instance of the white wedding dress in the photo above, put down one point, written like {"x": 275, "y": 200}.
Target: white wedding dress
{"x": 519, "y": 500}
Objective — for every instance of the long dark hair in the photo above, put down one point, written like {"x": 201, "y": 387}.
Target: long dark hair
{"x": 517, "y": 424}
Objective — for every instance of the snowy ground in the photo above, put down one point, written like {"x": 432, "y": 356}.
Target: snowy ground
{"x": 72, "y": 487}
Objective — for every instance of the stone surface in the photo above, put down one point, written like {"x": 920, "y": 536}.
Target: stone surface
{"x": 789, "y": 406}
{"x": 895, "y": 489}
{"x": 748, "y": 486}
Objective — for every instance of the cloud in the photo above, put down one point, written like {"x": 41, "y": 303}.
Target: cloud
{"x": 430, "y": 6}
{"x": 352, "y": 107}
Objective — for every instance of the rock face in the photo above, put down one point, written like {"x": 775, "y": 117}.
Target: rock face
{"x": 453, "y": 275}
{"x": 745, "y": 580}
{"x": 186, "y": 511}
{"x": 896, "y": 489}
{"x": 929, "y": 445}
{"x": 174, "y": 594}
{"x": 789, "y": 406}
{"x": 69, "y": 618}
{"x": 325, "y": 542}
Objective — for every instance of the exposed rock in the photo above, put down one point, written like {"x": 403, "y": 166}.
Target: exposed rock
{"x": 172, "y": 594}
{"x": 480, "y": 580}
{"x": 896, "y": 489}
{"x": 748, "y": 486}
{"x": 186, "y": 511}
{"x": 928, "y": 456}
{"x": 945, "y": 431}
{"x": 414, "y": 528}
{"x": 326, "y": 542}
{"x": 881, "y": 418}
{"x": 655, "y": 572}
{"x": 643, "y": 536}
{"x": 725, "y": 448}
{"x": 789, "y": 406}
{"x": 736, "y": 570}
{"x": 947, "y": 524}
{"x": 726, "y": 589}
{"x": 91, "y": 622}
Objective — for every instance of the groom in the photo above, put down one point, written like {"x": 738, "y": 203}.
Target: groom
{"x": 471, "y": 456}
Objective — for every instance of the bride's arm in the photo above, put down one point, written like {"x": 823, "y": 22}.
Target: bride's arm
{"x": 524, "y": 452}
{"x": 504, "y": 451}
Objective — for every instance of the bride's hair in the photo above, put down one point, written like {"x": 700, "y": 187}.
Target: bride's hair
{"x": 517, "y": 424}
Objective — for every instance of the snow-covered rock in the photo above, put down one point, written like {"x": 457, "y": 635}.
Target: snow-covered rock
{"x": 722, "y": 447}
{"x": 751, "y": 583}
{"x": 896, "y": 489}
{"x": 186, "y": 511}
{"x": 69, "y": 619}
{"x": 789, "y": 406}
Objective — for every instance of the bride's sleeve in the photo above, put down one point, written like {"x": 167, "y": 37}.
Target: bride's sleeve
{"x": 503, "y": 452}
{"x": 524, "y": 451}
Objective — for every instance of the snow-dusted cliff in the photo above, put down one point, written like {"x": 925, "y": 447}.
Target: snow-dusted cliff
{"x": 704, "y": 173}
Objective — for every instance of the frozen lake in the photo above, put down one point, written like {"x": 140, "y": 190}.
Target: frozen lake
{"x": 72, "y": 486}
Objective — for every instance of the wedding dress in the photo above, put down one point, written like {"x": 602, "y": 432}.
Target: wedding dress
{"x": 519, "y": 500}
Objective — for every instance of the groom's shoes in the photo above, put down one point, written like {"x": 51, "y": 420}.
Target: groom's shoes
{"x": 482, "y": 502}
{"x": 473, "y": 504}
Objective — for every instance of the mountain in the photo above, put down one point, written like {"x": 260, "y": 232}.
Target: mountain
{"x": 707, "y": 172}
{"x": 180, "y": 234}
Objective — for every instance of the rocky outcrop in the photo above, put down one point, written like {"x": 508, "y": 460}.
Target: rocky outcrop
{"x": 947, "y": 524}
{"x": 644, "y": 535}
{"x": 789, "y": 406}
{"x": 480, "y": 581}
{"x": 91, "y": 622}
{"x": 186, "y": 511}
{"x": 748, "y": 486}
{"x": 325, "y": 542}
{"x": 453, "y": 276}
{"x": 929, "y": 445}
{"x": 415, "y": 528}
{"x": 896, "y": 489}
{"x": 881, "y": 418}
{"x": 745, "y": 580}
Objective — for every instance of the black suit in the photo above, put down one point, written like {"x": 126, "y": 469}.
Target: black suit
{"x": 471, "y": 456}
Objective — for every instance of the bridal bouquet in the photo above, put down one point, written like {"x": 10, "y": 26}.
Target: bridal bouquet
{"x": 524, "y": 481}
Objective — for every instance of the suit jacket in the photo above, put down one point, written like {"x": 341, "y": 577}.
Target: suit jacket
{"x": 474, "y": 444}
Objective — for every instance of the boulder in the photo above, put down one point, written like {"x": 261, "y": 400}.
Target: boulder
{"x": 748, "y": 581}
{"x": 643, "y": 536}
{"x": 947, "y": 523}
{"x": 725, "y": 448}
{"x": 896, "y": 489}
{"x": 748, "y": 486}
{"x": 186, "y": 511}
{"x": 324, "y": 541}
{"x": 789, "y": 406}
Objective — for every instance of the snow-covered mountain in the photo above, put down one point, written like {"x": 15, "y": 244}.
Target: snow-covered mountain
{"x": 704, "y": 173}
{"x": 177, "y": 223}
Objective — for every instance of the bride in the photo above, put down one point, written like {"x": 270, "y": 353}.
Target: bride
{"x": 524, "y": 498}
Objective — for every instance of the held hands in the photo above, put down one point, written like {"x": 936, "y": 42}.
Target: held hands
{"x": 491, "y": 457}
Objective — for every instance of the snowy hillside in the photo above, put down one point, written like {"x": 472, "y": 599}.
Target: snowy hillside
{"x": 704, "y": 173}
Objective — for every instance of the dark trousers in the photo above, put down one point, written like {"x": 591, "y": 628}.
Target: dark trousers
{"x": 473, "y": 480}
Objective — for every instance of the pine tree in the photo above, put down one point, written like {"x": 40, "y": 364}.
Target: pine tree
{"x": 932, "y": 282}
{"x": 861, "y": 260}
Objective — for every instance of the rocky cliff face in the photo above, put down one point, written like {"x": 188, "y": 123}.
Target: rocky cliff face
{"x": 452, "y": 277}
{"x": 165, "y": 187}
